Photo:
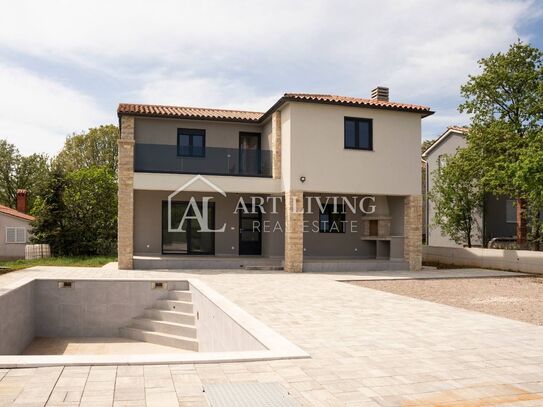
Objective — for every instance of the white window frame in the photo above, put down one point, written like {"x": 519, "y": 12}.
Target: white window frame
{"x": 507, "y": 202}
{"x": 441, "y": 161}
{"x": 16, "y": 231}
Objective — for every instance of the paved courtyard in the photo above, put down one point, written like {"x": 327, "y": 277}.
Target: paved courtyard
{"x": 367, "y": 347}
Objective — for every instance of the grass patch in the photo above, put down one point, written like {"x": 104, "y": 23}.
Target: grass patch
{"x": 89, "y": 261}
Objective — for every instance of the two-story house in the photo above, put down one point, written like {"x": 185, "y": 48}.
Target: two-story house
{"x": 318, "y": 182}
{"x": 499, "y": 213}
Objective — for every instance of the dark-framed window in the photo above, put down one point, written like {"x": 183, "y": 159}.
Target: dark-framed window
{"x": 191, "y": 143}
{"x": 358, "y": 133}
{"x": 332, "y": 219}
{"x": 191, "y": 239}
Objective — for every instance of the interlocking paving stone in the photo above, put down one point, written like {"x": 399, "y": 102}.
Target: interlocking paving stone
{"x": 367, "y": 347}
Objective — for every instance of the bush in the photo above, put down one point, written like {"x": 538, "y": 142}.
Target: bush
{"x": 78, "y": 214}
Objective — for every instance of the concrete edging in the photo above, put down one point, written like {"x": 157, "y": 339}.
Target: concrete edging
{"x": 277, "y": 347}
{"x": 524, "y": 261}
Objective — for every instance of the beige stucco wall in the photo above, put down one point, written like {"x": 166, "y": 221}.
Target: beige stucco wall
{"x": 170, "y": 182}
{"x": 148, "y": 223}
{"x": 349, "y": 244}
{"x": 346, "y": 244}
{"x": 448, "y": 146}
{"x": 316, "y": 146}
{"x": 313, "y": 146}
{"x": 218, "y": 134}
{"x": 12, "y": 250}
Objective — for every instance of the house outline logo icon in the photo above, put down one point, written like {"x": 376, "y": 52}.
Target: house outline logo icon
{"x": 200, "y": 215}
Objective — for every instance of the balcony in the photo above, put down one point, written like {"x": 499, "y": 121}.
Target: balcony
{"x": 161, "y": 158}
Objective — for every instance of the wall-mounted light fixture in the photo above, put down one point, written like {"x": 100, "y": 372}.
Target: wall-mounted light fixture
{"x": 302, "y": 178}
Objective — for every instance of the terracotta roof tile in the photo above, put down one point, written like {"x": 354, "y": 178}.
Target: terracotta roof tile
{"x": 347, "y": 100}
{"x": 180, "y": 112}
{"x": 12, "y": 212}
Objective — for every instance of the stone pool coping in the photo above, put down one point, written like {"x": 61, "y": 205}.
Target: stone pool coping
{"x": 277, "y": 346}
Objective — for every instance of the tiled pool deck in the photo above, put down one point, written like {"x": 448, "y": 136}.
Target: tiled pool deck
{"x": 367, "y": 347}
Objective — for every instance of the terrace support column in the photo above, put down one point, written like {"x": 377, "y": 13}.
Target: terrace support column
{"x": 413, "y": 232}
{"x": 276, "y": 144}
{"x": 125, "y": 221}
{"x": 294, "y": 231}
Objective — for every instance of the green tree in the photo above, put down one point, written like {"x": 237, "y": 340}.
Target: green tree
{"x": 95, "y": 148}
{"x": 527, "y": 174}
{"x": 49, "y": 210}
{"x": 90, "y": 199}
{"x": 78, "y": 215}
{"x": 426, "y": 144}
{"x": 457, "y": 195}
{"x": 21, "y": 172}
{"x": 505, "y": 102}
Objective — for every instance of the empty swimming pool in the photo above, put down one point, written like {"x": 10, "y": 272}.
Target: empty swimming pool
{"x": 49, "y": 321}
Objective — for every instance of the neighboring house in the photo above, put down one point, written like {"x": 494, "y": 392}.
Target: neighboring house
{"x": 14, "y": 229}
{"x": 499, "y": 213}
{"x": 304, "y": 146}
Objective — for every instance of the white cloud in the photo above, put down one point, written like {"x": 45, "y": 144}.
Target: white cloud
{"x": 36, "y": 113}
{"x": 245, "y": 53}
{"x": 204, "y": 92}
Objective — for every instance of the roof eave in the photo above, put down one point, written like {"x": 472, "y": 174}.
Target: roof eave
{"x": 284, "y": 99}
{"x": 440, "y": 140}
{"x": 185, "y": 117}
{"x": 19, "y": 217}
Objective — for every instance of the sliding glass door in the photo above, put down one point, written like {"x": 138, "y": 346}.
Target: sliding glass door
{"x": 191, "y": 240}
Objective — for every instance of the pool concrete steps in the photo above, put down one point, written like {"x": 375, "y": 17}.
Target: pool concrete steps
{"x": 158, "y": 338}
{"x": 187, "y": 318}
{"x": 174, "y": 305}
{"x": 171, "y": 322}
{"x": 171, "y": 328}
{"x": 180, "y": 295}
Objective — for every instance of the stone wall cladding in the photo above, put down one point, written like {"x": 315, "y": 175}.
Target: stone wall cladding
{"x": 125, "y": 232}
{"x": 294, "y": 228}
{"x": 276, "y": 144}
{"x": 413, "y": 231}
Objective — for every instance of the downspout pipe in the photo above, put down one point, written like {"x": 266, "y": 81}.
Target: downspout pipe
{"x": 426, "y": 211}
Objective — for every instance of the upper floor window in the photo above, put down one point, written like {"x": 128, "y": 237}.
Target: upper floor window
{"x": 191, "y": 143}
{"x": 358, "y": 133}
{"x": 15, "y": 235}
{"x": 441, "y": 161}
{"x": 332, "y": 219}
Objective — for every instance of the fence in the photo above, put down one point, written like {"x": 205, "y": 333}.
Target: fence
{"x": 513, "y": 260}
{"x": 37, "y": 251}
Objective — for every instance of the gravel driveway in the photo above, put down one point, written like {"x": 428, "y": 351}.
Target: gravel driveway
{"x": 519, "y": 298}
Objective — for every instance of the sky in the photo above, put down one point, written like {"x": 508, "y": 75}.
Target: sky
{"x": 65, "y": 65}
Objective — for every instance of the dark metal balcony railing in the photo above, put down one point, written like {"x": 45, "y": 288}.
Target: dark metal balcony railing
{"x": 217, "y": 161}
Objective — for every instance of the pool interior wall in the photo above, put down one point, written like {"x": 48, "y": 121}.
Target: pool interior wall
{"x": 17, "y": 315}
{"x": 93, "y": 308}
{"x": 217, "y": 331}
{"x": 99, "y": 308}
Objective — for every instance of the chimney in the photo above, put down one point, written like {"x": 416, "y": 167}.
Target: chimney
{"x": 21, "y": 200}
{"x": 380, "y": 93}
